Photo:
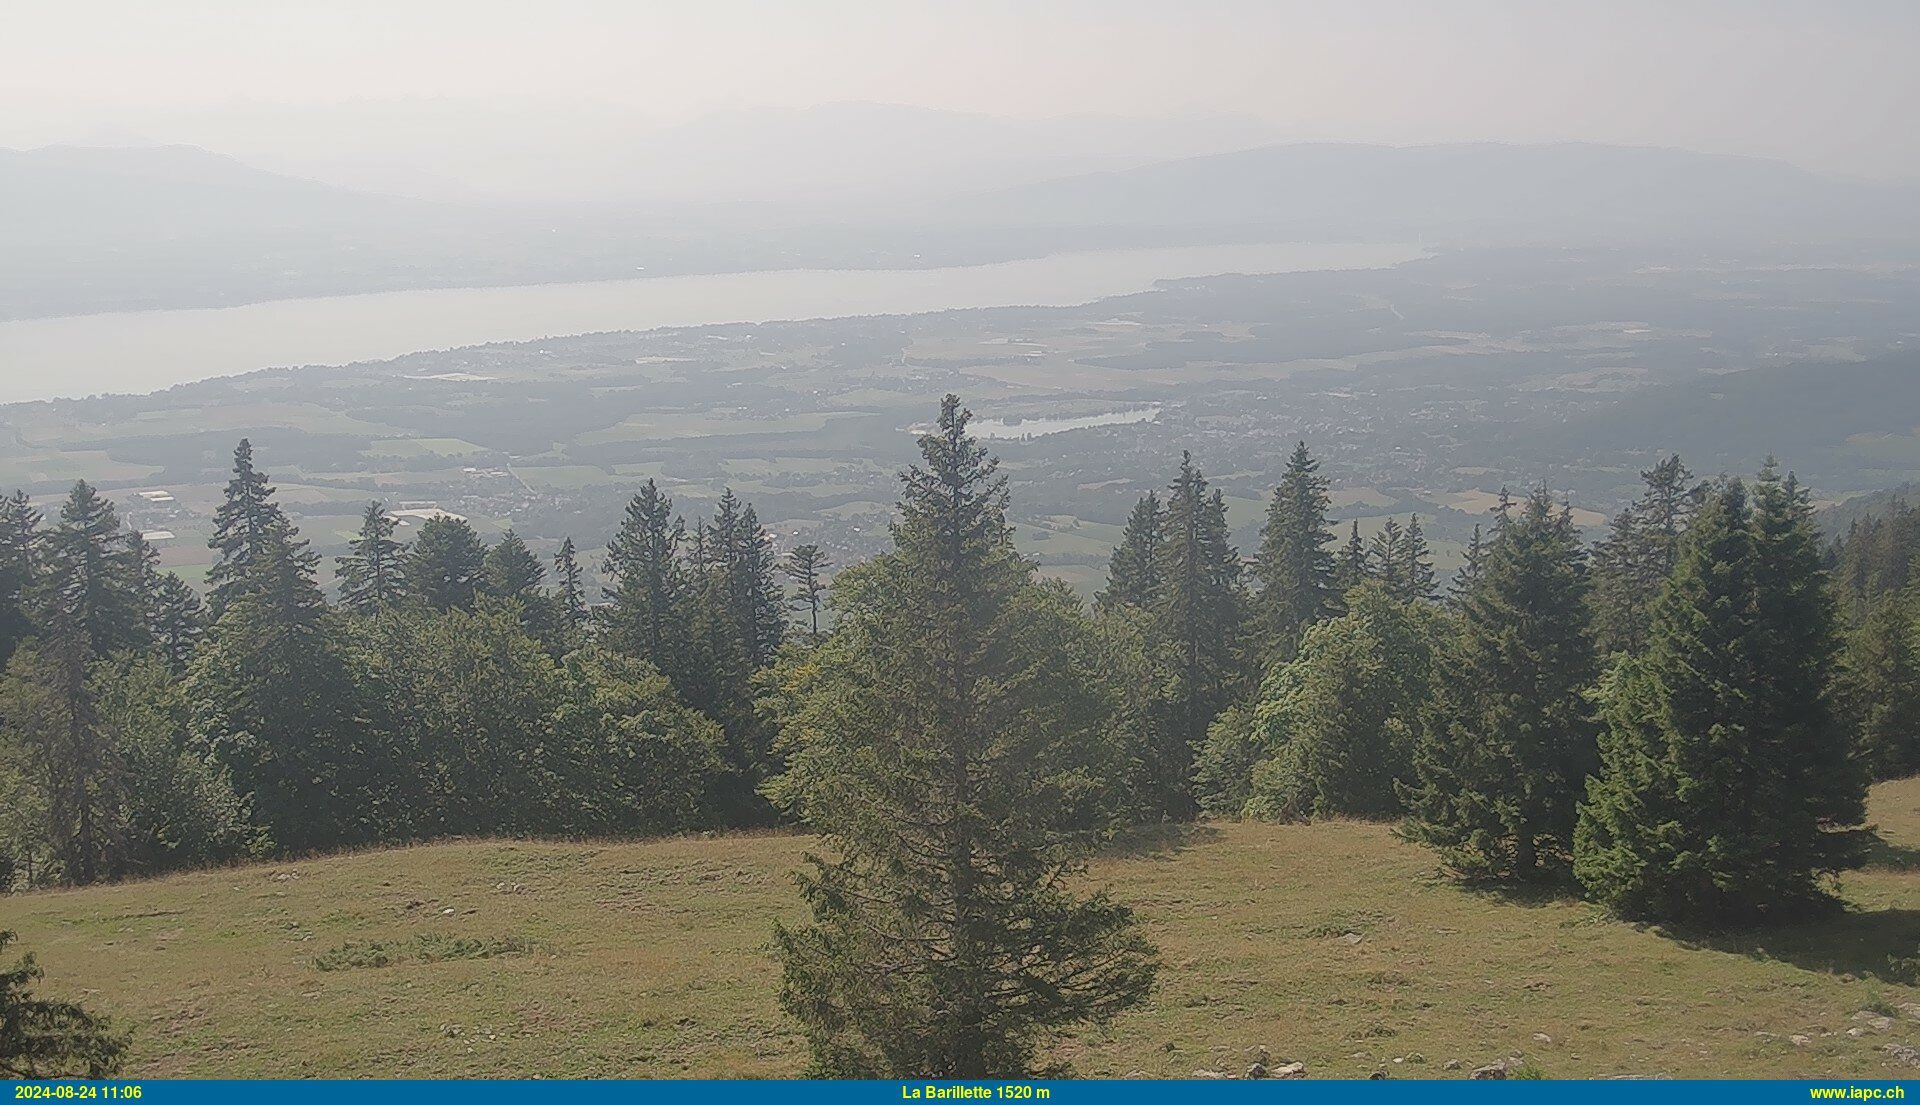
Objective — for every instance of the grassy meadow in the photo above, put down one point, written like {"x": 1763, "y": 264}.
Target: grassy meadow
{"x": 1332, "y": 943}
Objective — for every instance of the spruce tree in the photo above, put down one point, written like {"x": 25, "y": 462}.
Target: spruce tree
{"x": 645, "y": 617}
{"x": 737, "y": 619}
{"x": 247, "y": 521}
{"x": 1416, "y": 564}
{"x": 1133, "y": 574}
{"x": 1201, "y": 613}
{"x": 48, "y": 705}
{"x": 1827, "y": 786}
{"x": 19, "y": 569}
{"x": 42, "y": 1038}
{"x": 1295, "y": 566}
{"x": 445, "y": 564}
{"x": 757, "y": 600}
{"x": 373, "y": 573}
{"x": 273, "y": 699}
{"x": 1637, "y": 556}
{"x": 179, "y": 620}
{"x": 511, "y": 571}
{"x": 1350, "y": 566}
{"x": 1387, "y": 559}
{"x": 1468, "y": 576}
{"x": 94, "y": 584}
{"x": 806, "y": 566}
{"x": 1877, "y": 689}
{"x": 938, "y": 738}
{"x": 1505, "y": 749}
{"x": 1725, "y": 793}
{"x": 573, "y": 591}
{"x": 512, "y": 574}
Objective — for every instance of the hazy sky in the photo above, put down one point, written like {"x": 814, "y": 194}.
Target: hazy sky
{"x": 1831, "y": 85}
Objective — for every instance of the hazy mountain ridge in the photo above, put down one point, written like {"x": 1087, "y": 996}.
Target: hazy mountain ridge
{"x": 102, "y": 229}
{"x": 1489, "y": 191}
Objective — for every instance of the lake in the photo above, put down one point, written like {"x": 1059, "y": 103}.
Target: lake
{"x": 1001, "y": 429}
{"x": 141, "y": 351}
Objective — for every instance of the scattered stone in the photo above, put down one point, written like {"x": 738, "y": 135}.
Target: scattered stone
{"x": 1542, "y": 1038}
{"x": 1451, "y": 1064}
{"x": 1351, "y": 938}
{"x": 447, "y": 912}
{"x": 1290, "y": 1070}
{"x": 1798, "y": 1040}
{"x": 1875, "y": 1021}
{"x": 1492, "y": 1071}
{"x": 1904, "y": 1053}
{"x": 1214, "y": 1075}
{"x": 1377, "y": 1076}
{"x": 1856, "y": 1032}
{"x": 1414, "y": 1057}
{"x": 1909, "y": 1010}
{"x": 1259, "y": 1054}
{"x": 1138, "y": 1074}
{"x": 1257, "y": 1070}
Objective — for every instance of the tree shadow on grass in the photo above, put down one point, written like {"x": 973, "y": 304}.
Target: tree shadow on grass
{"x": 1883, "y": 944}
{"x": 1885, "y": 855}
{"x": 1159, "y": 841}
{"x": 1546, "y": 889}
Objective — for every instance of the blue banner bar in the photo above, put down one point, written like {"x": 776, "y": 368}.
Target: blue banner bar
{"x": 1123, "y": 1092}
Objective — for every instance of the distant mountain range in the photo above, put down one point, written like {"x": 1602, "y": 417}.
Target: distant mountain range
{"x": 1570, "y": 193}
{"x": 94, "y": 229}
{"x": 834, "y": 155}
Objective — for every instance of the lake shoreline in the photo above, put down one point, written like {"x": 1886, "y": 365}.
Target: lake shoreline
{"x": 140, "y": 352}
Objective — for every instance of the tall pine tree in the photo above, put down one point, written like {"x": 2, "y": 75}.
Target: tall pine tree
{"x": 247, "y": 521}
{"x": 445, "y": 565}
{"x": 1133, "y": 575}
{"x": 179, "y": 620}
{"x": 1726, "y": 793}
{"x": 1200, "y": 613}
{"x": 273, "y": 699}
{"x": 1387, "y": 559}
{"x": 1637, "y": 556}
{"x": 1416, "y": 563}
{"x": 1295, "y": 566}
{"x": 573, "y": 591}
{"x": 1468, "y": 575}
{"x": 940, "y": 734}
{"x": 1878, "y": 687}
{"x": 373, "y": 573}
{"x": 95, "y": 579}
{"x": 807, "y": 566}
{"x": 1503, "y": 756}
{"x": 645, "y": 616}
{"x": 511, "y": 571}
{"x": 19, "y": 568}
{"x": 1349, "y": 566}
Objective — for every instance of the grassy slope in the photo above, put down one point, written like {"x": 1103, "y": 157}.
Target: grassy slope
{"x": 653, "y": 962}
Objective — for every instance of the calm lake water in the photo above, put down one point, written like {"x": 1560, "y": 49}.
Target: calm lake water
{"x": 143, "y": 351}
{"x": 996, "y": 428}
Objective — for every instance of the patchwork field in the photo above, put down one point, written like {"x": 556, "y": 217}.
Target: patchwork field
{"x": 1333, "y": 944}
